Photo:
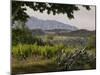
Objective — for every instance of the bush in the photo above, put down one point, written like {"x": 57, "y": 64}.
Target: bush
{"x": 91, "y": 43}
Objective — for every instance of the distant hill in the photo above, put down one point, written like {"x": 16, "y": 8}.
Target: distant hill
{"x": 42, "y": 27}
{"x": 38, "y": 32}
{"x": 81, "y": 32}
{"x": 63, "y": 32}
{"x": 35, "y": 23}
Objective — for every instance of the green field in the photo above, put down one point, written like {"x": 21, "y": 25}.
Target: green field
{"x": 49, "y": 53}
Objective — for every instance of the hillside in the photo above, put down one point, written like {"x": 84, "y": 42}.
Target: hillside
{"x": 35, "y": 23}
{"x": 63, "y": 32}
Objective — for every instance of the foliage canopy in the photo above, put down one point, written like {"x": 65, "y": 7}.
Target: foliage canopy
{"x": 18, "y": 9}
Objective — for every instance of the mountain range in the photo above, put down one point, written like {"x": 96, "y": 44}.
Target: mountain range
{"x": 35, "y": 23}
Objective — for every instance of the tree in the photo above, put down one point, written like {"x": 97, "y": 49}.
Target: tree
{"x": 18, "y": 9}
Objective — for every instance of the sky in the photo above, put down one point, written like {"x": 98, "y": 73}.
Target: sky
{"x": 83, "y": 19}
